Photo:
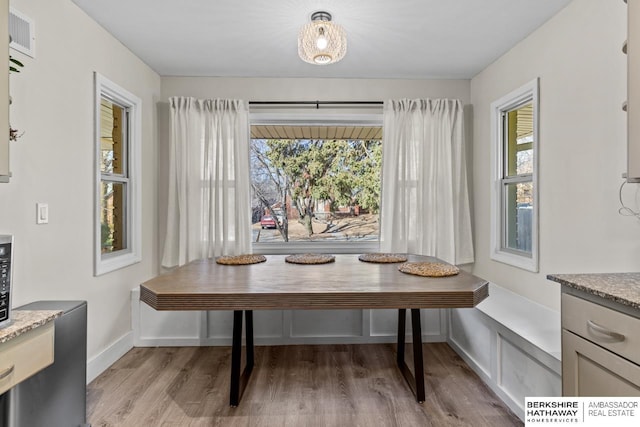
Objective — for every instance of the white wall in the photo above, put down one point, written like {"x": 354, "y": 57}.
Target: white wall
{"x": 312, "y": 89}
{"x": 53, "y": 98}
{"x": 582, "y": 151}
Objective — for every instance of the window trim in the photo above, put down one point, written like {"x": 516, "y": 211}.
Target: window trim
{"x": 132, "y": 254}
{"x": 524, "y": 94}
{"x": 294, "y": 118}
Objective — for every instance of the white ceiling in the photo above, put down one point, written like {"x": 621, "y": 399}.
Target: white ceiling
{"x": 257, "y": 38}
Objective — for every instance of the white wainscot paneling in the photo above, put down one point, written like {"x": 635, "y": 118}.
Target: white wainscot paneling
{"x": 326, "y": 323}
{"x": 470, "y": 333}
{"x": 520, "y": 375}
{"x": 168, "y": 327}
{"x": 384, "y": 323}
{"x": 266, "y": 324}
{"x": 219, "y": 324}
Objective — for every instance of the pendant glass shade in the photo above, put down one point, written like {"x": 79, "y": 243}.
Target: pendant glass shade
{"x": 321, "y": 41}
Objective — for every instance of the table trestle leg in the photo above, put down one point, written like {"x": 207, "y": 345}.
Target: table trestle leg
{"x": 416, "y": 382}
{"x": 239, "y": 381}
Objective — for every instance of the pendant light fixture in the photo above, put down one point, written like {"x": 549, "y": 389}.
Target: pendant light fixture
{"x": 321, "y": 41}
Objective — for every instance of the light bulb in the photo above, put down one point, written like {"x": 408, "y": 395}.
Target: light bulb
{"x": 321, "y": 41}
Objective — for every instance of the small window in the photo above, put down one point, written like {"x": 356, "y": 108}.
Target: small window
{"x": 514, "y": 235}
{"x": 117, "y": 217}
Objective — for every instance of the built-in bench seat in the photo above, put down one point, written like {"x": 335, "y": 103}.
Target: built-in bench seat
{"x": 512, "y": 343}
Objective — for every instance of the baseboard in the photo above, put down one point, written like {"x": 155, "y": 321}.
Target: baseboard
{"x": 101, "y": 362}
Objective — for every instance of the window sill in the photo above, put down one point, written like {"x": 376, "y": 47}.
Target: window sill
{"x": 116, "y": 262}
{"x": 315, "y": 247}
{"x": 519, "y": 261}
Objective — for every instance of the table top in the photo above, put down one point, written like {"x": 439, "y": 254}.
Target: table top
{"x": 275, "y": 284}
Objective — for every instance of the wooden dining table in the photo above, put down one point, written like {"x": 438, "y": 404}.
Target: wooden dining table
{"x": 346, "y": 283}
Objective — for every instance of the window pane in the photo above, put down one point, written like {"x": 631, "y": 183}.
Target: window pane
{"x": 113, "y": 216}
{"x": 315, "y": 189}
{"x": 112, "y": 138}
{"x": 519, "y": 215}
{"x": 524, "y": 161}
{"x": 518, "y": 141}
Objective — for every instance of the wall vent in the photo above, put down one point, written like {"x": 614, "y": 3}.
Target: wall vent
{"x": 21, "y": 30}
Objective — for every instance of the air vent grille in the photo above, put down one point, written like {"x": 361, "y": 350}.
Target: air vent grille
{"x": 21, "y": 30}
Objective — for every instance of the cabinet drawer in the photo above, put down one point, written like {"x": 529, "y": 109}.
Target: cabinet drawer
{"x": 25, "y": 355}
{"x": 608, "y": 328}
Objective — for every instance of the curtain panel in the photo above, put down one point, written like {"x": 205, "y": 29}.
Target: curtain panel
{"x": 425, "y": 198}
{"x": 209, "y": 191}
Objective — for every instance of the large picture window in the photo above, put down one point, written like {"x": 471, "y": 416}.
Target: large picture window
{"x": 117, "y": 216}
{"x": 514, "y": 236}
{"x": 315, "y": 183}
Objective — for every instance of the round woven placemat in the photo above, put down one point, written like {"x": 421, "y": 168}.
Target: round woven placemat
{"x": 382, "y": 258}
{"x": 310, "y": 259}
{"x": 429, "y": 269}
{"x": 240, "y": 259}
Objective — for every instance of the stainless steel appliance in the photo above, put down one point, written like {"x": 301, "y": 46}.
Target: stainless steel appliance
{"x": 6, "y": 258}
{"x": 57, "y": 395}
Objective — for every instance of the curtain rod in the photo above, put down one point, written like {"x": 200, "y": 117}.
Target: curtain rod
{"x": 316, "y": 103}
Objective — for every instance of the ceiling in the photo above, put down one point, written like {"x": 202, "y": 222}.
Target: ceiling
{"x": 257, "y": 38}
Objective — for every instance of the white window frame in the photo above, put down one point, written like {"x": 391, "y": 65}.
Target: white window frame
{"x": 298, "y": 119}
{"x": 523, "y": 95}
{"x": 105, "y": 263}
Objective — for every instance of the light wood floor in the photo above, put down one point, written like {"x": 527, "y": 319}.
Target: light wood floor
{"x": 329, "y": 385}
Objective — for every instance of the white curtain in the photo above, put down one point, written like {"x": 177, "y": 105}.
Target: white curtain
{"x": 209, "y": 198}
{"x": 425, "y": 199}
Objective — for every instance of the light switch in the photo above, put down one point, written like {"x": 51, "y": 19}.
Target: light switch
{"x": 42, "y": 213}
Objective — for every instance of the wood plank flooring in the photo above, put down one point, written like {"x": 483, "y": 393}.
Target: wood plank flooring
{"x": 328, "y": 385}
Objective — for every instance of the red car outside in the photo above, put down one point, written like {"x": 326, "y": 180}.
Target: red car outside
{"x": 267, "y": 221}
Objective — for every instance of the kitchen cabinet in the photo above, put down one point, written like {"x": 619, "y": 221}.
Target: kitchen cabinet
{"x": 23, "y": 356}
{"x": 600, "y": 333}
{"x": 4, "y": 91}
{"x": 600, "y": 348}
{"x": 27, "y": 347}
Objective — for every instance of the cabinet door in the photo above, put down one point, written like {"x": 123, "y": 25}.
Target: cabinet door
{"x": 590, "y": 370}
{"x": 4, "y": 90}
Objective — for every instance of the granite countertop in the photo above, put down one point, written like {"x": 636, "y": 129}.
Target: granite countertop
{"x": 26, "y": 320}
{"x": 623, "y": 288}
